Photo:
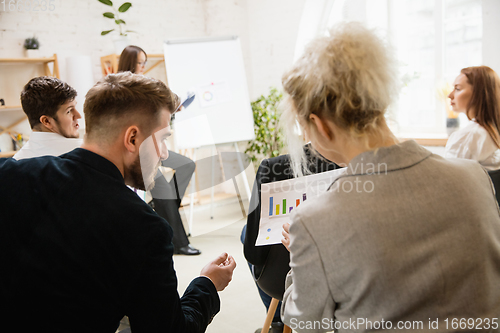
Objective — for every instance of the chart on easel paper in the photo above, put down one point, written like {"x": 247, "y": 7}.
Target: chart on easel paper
{"x": 214, "y": 93}
{"x": 280, "y": 199}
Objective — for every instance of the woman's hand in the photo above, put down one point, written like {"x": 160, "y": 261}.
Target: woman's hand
{"x": 286, "y": 236}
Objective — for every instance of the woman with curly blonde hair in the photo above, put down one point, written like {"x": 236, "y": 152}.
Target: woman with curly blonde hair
{"x": 403, "y": 236}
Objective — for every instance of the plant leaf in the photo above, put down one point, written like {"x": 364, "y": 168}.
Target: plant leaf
{"x": 109, "y": 15}
{"x": 269, "y": 140}
{"x": 106, "y": 32}
{"x": 131, "y": 31}
{"x": 123, "y": 8}
{"x": 120, "y": 21}
{"x": 106, "y": 2}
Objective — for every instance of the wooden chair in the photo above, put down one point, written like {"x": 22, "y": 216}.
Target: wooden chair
{"x": 270, "y": 315}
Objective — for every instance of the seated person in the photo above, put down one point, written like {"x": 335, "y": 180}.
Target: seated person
{"x": 167, "y": 196}
{"x": 271, "y": 170}
{"x": 77, "y": 243}
{"x": 50, "y": 106}
{"x": 476, "y": 92}
{"x": 403, "y": 236}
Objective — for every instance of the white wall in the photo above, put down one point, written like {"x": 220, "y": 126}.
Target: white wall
{"x": 267, "y": 29}
{"x": 273, "y": 29}
{"x": 491, "y": 40}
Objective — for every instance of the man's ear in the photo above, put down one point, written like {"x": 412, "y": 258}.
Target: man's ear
{"x": 46, "y": 121}
{"x": 130, "y": 139}
{"x": 322, "y": 127}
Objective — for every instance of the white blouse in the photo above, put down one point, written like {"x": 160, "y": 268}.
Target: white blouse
{"x": 474, "y": 143}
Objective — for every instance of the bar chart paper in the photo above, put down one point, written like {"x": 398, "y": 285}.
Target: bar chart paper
{"x": 280, "y": 199}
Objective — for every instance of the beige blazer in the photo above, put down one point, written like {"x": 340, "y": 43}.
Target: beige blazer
{"x": 404, "y": 236}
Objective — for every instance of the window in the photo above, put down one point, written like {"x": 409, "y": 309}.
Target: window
{"x": 433, "y": 40}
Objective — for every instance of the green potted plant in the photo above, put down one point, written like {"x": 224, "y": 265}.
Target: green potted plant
{"x": 121, "y": 40}
{"x": 269, "y": 140}
{"x": 31, "y": 47}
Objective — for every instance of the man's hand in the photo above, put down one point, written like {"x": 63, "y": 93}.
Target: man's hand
{"x": 220, "y": 271}
{"x": 286, "y": 236}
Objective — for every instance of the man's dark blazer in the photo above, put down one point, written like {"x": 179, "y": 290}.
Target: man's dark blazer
{"x": 271, "y": 262}
{"x": 79, "y": 250}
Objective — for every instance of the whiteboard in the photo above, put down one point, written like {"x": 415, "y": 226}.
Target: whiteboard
{"x": 212, "y": 68}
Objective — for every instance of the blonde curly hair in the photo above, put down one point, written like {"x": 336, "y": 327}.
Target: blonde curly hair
{"x": 348, "y": 77}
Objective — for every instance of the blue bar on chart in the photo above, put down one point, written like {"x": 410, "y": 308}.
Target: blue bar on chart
{"x": 284, "y": 206}
{"x": 271, "y": 206}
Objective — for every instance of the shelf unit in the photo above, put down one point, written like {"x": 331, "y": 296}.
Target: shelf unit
{"x": 109, "y": 63}
{"x": 45, "y": 61}
{"x": 8, "y": 129}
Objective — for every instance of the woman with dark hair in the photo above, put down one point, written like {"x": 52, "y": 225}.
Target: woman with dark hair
{"x": 167, "y": 196}
{"x": 133, "y": 59}
{"x": 476, "y": 93}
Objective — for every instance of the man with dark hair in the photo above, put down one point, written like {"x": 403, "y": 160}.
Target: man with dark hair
{"x": 50, "y": 106}
{"x": 76, "y": 242}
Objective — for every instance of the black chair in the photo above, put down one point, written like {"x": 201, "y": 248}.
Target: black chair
{"x": 271, "y": 279}
{"x": 495, "y": 179}
{"x": 271, "y": 276}
{"x": 271, "y": 263}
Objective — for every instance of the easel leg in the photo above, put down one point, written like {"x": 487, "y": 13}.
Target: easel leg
{"x": 191, "y": 197}
{"x": 240, "y": 162}
{"x": 214, "y": 150}
{"x": 239, "y": 197}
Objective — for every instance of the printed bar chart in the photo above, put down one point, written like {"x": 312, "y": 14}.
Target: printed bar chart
{"x": 280, "y": 199}
{"x": 274, "y": 210}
